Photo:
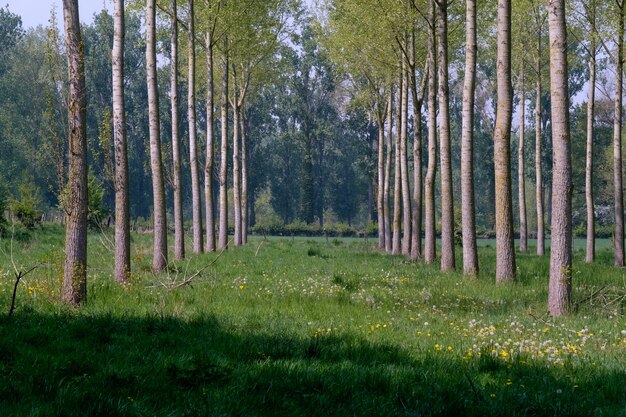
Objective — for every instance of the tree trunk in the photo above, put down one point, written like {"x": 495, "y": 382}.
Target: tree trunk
{"x": 159, "y": 260}
{"x": 196, "y": 200}
{"x": 179, "y": 234}
{"x": 468, "y": 213}
{"x": 244, "y": 175}
{"x": 430, "y": 238}
{"x": 591, "y": 223}
{"x": 559, "y": 296}
{"x": 447, "y": 199}
{"x": 418, "y": 100}
{"x": 388, "y": 244}
{"x": 75, "y": 275}
{"x": 538, "y": 174}
{"x": 122, "y": 209}
{"x": 505, "y": 251}
{"x": 396, "y": 247}
{"x": 223, "y": 230}
{"x": 236, "y": 172}
{"x": 618, "y": 234}
{"x": 404, "y": 164}
{"x": 380, "y": 197}
{"x": 521, "y": 179}
{"x": 210, "y": 149}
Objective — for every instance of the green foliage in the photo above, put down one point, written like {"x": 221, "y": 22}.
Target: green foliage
{"x": 26, "y": 208}
{"x": 4, "y": 203}
{"x": 96, "y": 210}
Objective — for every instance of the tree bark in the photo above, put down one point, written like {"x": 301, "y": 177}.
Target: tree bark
{"x": 447, "y": 199}
{"x": 210, "y": 149}
{"x": 196, "y": 200}
{"x": 468, "y": 212}
{"x": 244, "y": 175}
{"x": 618, "y": 234}
{"x": 159, "y": 260}
{"x": 380, "y": 197}
{"x": 430, "y": 238}
{"x": 404, "y": 164}
{"x": 75, "y": 274}
{"x": 538, "y": 174}
{"x": 388, "y": 236}
{"x": 396, "y": 245}
{"x": 223, "y": 230}
{"x": 179, "y": 234}
{"x": 122, "y": 205}
{"x": 521, "y": 178}
{"x": 236, "y": 172}
{"x": 591, "y": 99}
{"x": 505, "y": 251}
{"x": 559, "y": 296}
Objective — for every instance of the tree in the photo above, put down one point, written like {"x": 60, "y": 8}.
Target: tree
{"x": 505, "y": 251}
{"x": 179, "y": 234}
{"x": 618, "y": 234}
{"x": 122, "y": 206}
{"x": 223, "y": 178}
{"x": 198, "y": 244}
{"x": 468, "y": 214}
{"x": 560, "y": 288}
{"x": 75, "y": 275}
{"x": 539, "y": 21}
{"x": 447, "y": 199}
{"x": 159, "y": 260}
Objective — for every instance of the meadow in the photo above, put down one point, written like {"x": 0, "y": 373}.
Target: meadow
{"x": 306, "y": 327}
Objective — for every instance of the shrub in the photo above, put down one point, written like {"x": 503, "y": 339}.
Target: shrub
{"x": 26, "y": 208}
{"x": 96, "y": 211}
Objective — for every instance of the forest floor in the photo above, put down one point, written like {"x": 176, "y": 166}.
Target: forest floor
{"x": 306, "y": 327}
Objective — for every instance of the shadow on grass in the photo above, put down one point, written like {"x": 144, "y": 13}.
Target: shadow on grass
{"x": 109, "y": 366}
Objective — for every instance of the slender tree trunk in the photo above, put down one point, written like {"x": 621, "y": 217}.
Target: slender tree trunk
{"x": 210, "y": 149}
{"x": 223, "y": 230}
{"x": 244, "y": 175}
{"x": 591, "y": 223}
{"x": 179, "y": 234}
{"x": 418, "y": 100}
{"x": 559, "y": 296}
{"x": 198, "y": 244}
{"x": 236, "y": 171}
{"x": 618, "y": 234}
{"x": 75, "y": 275}
{"x": 521, "y": 178}
{"x": 159, "y": 260}
{"x": 388, "y": 236}
{"x": 430, "y": 238}
{"x": 538, "y": 174}
{"x": 380, "y": 197}
{"x": 468, "y": 213}
{"x": 396, "y": 246}
{"x": 447, "y": 199}
{"x": 122, "y": 209}
{"x": 404, "y": 164}
{"x": 505, "y": 251}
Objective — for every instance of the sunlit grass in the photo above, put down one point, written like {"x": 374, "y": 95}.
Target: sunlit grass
{"x": 303, "y": 326}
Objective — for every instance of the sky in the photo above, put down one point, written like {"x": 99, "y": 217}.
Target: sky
{"x": 37, "y": 12}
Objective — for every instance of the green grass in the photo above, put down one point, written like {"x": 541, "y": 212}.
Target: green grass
{"x": 289, "y": 327}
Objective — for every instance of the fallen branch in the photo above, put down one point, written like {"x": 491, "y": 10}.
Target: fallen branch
{"x": 18, "y": 277}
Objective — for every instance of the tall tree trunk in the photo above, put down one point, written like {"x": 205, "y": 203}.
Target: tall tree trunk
{"x": 505, "y": 250}
{"x": 159, "y": 260}
{"x": 75, "y": 275}
{"x": 521, "y": 178}
{"x": 210, "y": 149}
{"x": 396, "y": 247}
{"x": 591, "y": 101}
{"x": 179, "y": 234}
{"x": 618, "y": 234}
{"x": 196, "y": 199}
{"x": 244, "y": 175}
{"x": 380, "y": 197}
{"x": 538, "y": 174}
{"x": 447, "y": 199}
{"x": 223, "y": 230}
{"x": 468, "y": 213}
{"x": 122, "y": 209}
{"x": 430, "y": 238}
{"x": 404, "y": 164}
{"x": 559, "y": 296}
{"x": 388, "y": 243}
{"x": 236, "y": 171}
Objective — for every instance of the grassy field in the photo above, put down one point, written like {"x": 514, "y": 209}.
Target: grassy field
{"x": 306, "y": 327}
